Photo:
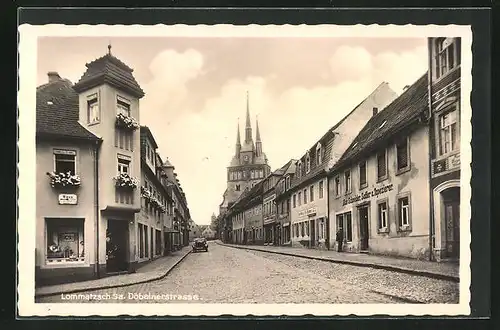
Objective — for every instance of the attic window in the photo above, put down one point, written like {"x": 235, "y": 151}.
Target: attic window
{"x": 356, "y": 143}
{"x": 383, "y": 123}
{"x": 50, "y": 102}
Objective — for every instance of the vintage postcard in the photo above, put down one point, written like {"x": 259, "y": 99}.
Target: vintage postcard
{"x": 244, "y": 170}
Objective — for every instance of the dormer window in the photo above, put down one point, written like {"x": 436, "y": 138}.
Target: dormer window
{"x": 308, "y": 163}
{"x": 447, "y": 55}
{"x": 123, "y": 106}
{"x": 318, "y": 154}
{"x": 299, "y": 169}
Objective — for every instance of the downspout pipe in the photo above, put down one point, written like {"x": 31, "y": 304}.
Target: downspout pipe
{"x": 96, "y": 204}
{"x": 431, "y": 153}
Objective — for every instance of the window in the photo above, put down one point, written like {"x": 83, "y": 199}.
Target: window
{"x": 302, "y": 229}
{"x": 381, "y": 165}
{"x": 447, "y": 55}
{"x": 320, "y": 188}
{"x": 294, "y": 201}
{"x": 287, "y": 185}
{"x": 318, "y": 154}
{"x": 382, "y": 215}
{"x": 65, "y": 161}
{"x": 311, "y": 193}
{"x": 123, "y": 166}
{"x": 299, "y": 169}
{"x": 308, "y": 163}
{"x": 300, "y": 198}
{"x": 65, "y": 241}
{"x": 92, "y": 109}
{"x": 123, "y": 106}
{"x": 337, "y": 186}
{"x": 347, "y": 176}
{"x": 305, "y": 196}
{"x": 344, "y": 222}
{"x": 402, "y": 154}
{"x": 448, "y": 137}
{"x": 306, "y": 224}
{"x": 362, "y": 175}
{"x": 404, "y": 211}
{"x": 252, "y": 175}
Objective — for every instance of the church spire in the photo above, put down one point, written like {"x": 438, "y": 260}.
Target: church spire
{"x": 248, "y": 126}
{"x": 238, "y": 141}
{"x": 258, "y": 142}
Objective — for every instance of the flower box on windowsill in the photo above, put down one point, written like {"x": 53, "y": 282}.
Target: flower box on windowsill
{"x": 125, "y": 181}
{"x": 126, "y": 122}
{"x": 64, "y": 180}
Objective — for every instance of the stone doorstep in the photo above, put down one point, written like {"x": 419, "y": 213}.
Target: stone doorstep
{"x": 414, "y": 271}
{"x": 108, "y": 282}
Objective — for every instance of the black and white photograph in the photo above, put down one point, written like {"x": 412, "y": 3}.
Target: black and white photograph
{"x": 266, "y": 170}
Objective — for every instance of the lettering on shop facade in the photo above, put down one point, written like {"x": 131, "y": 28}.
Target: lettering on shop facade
{"x": 367, "y": 194}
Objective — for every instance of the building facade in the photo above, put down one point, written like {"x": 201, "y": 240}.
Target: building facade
{"x": 378, "y": 190}
{"x": 272, "y": 227}
{"x": 103, "y": 199}
{"x": 283, "y": 199}
{"x": 154, "y": 202}
{"x": 444, "y": 80}
{"x": 66, "y": 189}
{"x": 310, "y": 222}
{"x": 105, "y": 104}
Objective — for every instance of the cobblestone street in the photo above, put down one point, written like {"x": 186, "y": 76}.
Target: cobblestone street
{"x": 228, "y": 275}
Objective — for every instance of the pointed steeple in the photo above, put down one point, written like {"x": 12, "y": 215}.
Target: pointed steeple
{"x": 238, "y": 141}
{"x": 258, "y": 142}
{"x": 257, "y": 134}
{"x": 248, "y": 126}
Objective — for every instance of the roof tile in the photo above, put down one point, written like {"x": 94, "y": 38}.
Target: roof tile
{"x": 57, "y": 111}
{"x": 403, "y": 110}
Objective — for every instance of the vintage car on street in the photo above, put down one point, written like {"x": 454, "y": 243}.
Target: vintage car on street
{"x": 200, "y": 244}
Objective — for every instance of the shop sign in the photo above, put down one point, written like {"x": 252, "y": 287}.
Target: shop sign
{"x": 309, "y": 212}
{"x": 68, "y": 199}
{"x": 367, "y": 194}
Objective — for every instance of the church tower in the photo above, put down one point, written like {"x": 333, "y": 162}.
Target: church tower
{"x": 249, "y": 164}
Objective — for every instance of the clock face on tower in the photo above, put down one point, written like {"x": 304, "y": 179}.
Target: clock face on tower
{"x": 245, "y": 158}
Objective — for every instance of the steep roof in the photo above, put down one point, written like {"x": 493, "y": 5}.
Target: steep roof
{"x": 57, "y": 111}
{"x": 145, "y": 131}
{"x": 326, "y": 142}
{"x": 109, "y": 69}
{"x": 403, "y": 111}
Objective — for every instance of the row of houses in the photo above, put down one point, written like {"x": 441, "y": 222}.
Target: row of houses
{"x": 106, "y": 201}
{"x": 386, "y": 177}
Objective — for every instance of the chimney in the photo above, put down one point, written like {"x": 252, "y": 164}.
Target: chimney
{"x": 375, "y": 110}
{"x": 53, "y": 76}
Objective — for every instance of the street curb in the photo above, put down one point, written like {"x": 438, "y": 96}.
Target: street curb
{"x": 116, "y": 285}
{"x": 410, "y": 271}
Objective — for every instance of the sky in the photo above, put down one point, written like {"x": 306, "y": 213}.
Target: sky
{"x": 196, "y": 93}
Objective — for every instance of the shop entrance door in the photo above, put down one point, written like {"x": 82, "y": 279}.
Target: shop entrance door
{"x": 363, "y": 228}
{"x": 451, "y": 201}
{"x": 117, "y": 243}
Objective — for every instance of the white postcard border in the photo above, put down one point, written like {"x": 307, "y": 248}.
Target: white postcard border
{"x": 27, "y": 169}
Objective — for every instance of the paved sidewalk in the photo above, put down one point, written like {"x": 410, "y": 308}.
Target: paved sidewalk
{"x": 152, "y": 271}
{"x": 440, "y": 270}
